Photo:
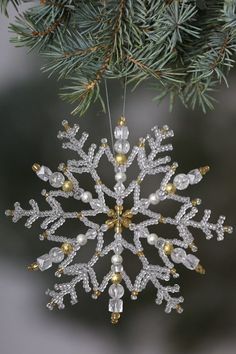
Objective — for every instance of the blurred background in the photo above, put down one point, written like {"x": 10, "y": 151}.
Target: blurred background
{"x": 31, "y": 115}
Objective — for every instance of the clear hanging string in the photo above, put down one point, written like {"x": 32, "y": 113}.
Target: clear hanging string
{"x": 109, "y": 109}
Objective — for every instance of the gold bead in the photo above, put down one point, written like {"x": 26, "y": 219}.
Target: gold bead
{"x": 104, "y": 145}
{"x": 170, "y": 188}
{"x": 173, "y": 271}
{"x": 66, "y": 248}
{"x": 60, "y": 270}
{"x": 116, "y": 278}
{"x": 121, "y": 121}
{"x": 203, "y": 170}
{"x": 66, "y": 125}
{"x": 128, "y": 214}
{"x": 119, "y": 209}
{"x": 115, "y": 316}
{"x": 98, "y": 182}
{"x": 134, "y": 293}
{"x": 67, "y": 186}
{"x": 199, "y": 269}
{"x": 110, "y": 223}
{"x": 111, "y": 213}
{"x": 140, "y": 254}
{"x": 97, "y": 253}
{"x": 228, "y": 229}
{"x": 141, "y": 143}
{"x": 36, "y": 167}
{"x": 196, "y": 202}
{"x": 138, "y": 180}
{"x": 118, "y": 228}
{"x": 179, "y": 308}
{"x": 33, "y": 267}
{"x": 168, "y": 248}
{"x": 96, "y": 292}
{"x": 79, "y": 215}
{"x": 126, "y": 222}
{"x": 45, "y": 235}
{"x": 121, "y": 159}
{"x": 162, "y": 220}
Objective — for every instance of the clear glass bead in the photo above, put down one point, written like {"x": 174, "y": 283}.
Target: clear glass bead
{"x": 44, "y": 262}
{"x": 181, "y": 181}
{"x": 56, "y": 255}
{"x": 44, "y": 173}
{"x": 122, "y": 146}
{"x": 178, "y": 255}
{"x": 115, "y": 305}
{"x": 191, "y": 262}
{"x": 194, "y": 176}
{"x": 119, "y": 188}
{"x": 56, "y": 179}
{"x": 121, "y": 132}
{"x": 116, "y": 291}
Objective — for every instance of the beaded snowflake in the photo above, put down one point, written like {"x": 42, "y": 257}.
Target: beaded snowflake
{"x": 172, "y": 251}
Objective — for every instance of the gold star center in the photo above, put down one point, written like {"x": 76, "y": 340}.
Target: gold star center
{"x": 118, "y": 218}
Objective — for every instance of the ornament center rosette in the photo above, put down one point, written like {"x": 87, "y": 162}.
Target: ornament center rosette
{"x": 173, "y": 252}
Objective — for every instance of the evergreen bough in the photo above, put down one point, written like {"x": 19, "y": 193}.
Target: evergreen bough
{"x": 183, "y": 48}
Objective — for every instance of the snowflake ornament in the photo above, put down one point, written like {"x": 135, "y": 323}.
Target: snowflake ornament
{"x": 172, "y": 251}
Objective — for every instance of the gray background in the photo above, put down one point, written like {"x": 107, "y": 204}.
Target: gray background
{"x": 31, "y": 113}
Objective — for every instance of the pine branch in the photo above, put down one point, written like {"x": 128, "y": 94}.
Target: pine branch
{"x": 5, "y": 3}
{"x": 184, "y": 48}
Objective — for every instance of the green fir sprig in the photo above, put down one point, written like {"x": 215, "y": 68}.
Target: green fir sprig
{"x": 184, "y": 48}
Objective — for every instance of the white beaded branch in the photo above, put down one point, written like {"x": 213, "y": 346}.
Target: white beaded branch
{"x": 171, "y": 251}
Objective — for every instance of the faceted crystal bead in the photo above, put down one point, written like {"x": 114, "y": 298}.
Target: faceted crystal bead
{"x": 118, "y": 249}
{"x": 56, "y": 179}
{"x": 121, "y": 132}
{"x": 191, "y": 262}
{"x": 117, "y": 268}
{"x": 96, "y": 204}
{"x": 116, "y": 291}
{"x": 44, "y": 262}
{"x": 115, "y": 305}
{"x": 178, "y": 255}
{"x": 119, "y": 188}
{"x": 56, "y": 255}
{"x": 44, "y": 173}
{"x": 91, "y": 233}
{"x": 181, "y": 181}
{"x": 194, "y": 176}
{"x": 122, "y": 146}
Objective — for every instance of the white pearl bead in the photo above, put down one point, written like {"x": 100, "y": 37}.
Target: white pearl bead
{"x": 116, "y": 259}
{"x": 154, "y": 199}
{"x": 152, "y": 239}
{"x": 120, "y": 177}
{"x": 81, "y": 239}
{"x": 86, "y": 197}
